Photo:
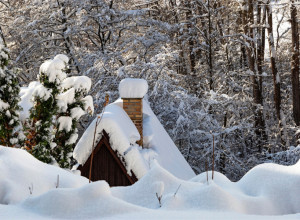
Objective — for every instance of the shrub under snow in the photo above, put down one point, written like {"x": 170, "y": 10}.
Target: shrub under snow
{"x": 10, "y": 135}
{"x": 58, "y": 103}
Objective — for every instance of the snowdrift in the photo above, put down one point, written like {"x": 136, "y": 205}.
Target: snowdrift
{"x": 22, "y": 174}
{"x": 91, "y": 200}
{"x": 267, "y": 189}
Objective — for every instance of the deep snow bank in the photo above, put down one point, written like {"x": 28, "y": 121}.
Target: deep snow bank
{"x": 90, "y": 201}
{"x": 267, "y": 189}
{"x": 20, "y": 171}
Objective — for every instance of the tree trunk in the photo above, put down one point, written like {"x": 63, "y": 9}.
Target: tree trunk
{"x": 260, "y": 49}
{"x": 295, "y": 64}
{"x": 276, "y": 77}
{"x": 210, "y": 59}
{"x": 2, "y": 37}
{"x": 192, "y": 57}
{"x": 259, "y": 124}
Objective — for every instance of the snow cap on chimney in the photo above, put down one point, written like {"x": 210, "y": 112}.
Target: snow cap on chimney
{"x": 133, "y": 88}
{"x": 132, "y": 92}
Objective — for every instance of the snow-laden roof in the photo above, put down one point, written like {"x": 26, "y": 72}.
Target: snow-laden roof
{"x": 168, "y": 155}
{"x": 133, "y": 88}
{"x": 123, "y": 136}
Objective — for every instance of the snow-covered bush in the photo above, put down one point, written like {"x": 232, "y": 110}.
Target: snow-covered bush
{"x": 290, "y": 156}
{"x": 40, "y": 138}
{"x": 73, "y": 103}
{"x": 9, "y": 108}
{"x": 59, "y": 103}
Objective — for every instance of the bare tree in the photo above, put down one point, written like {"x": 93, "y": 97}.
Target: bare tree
{"x": 248, "y": 22}
{"x": 295, "y": 64}
{"x": 276, "y": 77}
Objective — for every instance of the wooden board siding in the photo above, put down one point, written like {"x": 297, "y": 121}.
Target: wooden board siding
{"x": 107, "y": 166}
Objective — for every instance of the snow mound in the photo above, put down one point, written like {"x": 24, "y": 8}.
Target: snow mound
{"x": 271, "y": 191}
{"x": 276, "y": 184}
{"x": 90, "y": 201}
{"x": 20, "y": 171}
{"x": 133, "y": 88}
{"x": 268, "y": 191}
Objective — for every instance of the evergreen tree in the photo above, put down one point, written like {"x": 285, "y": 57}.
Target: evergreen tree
{"x": 72, "y": 105}
{"x": 43, "y": 114}
{"x": 9, "y": 108}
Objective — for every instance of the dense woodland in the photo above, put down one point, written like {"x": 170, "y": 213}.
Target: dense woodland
{"x": 223, "y": 74}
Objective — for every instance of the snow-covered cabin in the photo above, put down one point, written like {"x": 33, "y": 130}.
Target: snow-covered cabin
{"x": 128, "y": 137}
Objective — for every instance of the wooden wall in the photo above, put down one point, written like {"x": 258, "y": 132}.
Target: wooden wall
{"x": 107, "y": 166}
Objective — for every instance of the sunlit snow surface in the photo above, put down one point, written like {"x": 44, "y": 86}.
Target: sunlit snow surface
{"x": 268, "y": 191}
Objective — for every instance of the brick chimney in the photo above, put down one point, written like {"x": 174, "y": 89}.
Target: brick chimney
{"x": 134, "y": 108}
{"x": 132, "y": 92}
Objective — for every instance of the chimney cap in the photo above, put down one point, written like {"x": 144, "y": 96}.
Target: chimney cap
{"x": 133, "y": 88}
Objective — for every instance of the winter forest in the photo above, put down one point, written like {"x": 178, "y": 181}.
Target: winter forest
{"x": 223, "y": 75}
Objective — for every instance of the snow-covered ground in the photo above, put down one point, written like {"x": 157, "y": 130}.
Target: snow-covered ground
{"x": 268, "y": 191}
